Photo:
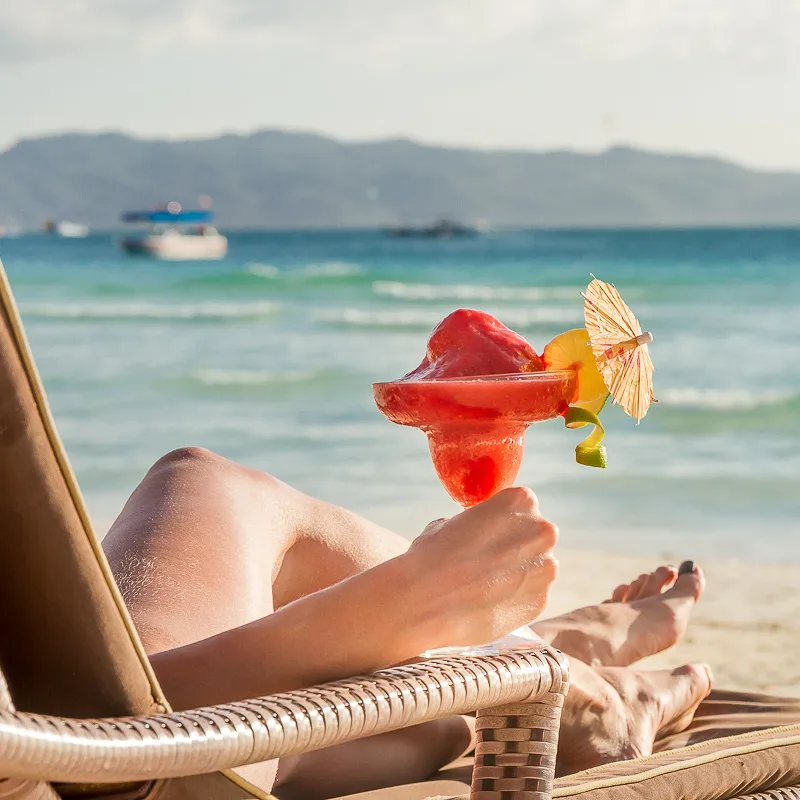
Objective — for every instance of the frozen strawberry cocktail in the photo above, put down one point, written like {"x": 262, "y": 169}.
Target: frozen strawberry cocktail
{"x": 478, "y": 388}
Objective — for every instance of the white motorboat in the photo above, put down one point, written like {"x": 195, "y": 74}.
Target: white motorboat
{"x": 174, "y": 234}
{"x": 67, "y": 230}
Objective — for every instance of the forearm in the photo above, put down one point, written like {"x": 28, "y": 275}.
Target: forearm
{"x": 372, "y": 620}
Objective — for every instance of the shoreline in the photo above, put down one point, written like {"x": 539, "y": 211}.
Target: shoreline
{"x": 746, "y": 626}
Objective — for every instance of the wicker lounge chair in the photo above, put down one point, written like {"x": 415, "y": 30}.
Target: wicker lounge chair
{"x": 68, "y": 649}
{"x": 91, "y": 720}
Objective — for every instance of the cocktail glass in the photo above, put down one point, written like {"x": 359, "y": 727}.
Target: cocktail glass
{"x": 476, "y": 430}
{"x": 476, "y": 425}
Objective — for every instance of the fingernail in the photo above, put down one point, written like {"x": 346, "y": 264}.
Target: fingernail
{"x": 686, "y": 568}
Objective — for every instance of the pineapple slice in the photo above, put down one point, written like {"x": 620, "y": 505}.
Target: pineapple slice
{"x": 571, "y": 350}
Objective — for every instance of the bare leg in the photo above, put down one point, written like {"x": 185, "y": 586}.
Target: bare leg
{"x": 614, "y": 714}
{"x": 205, "y": 546}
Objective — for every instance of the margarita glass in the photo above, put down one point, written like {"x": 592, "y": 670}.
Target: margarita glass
{"x": 476, "y": 425}
{"x": 476, "y": 433}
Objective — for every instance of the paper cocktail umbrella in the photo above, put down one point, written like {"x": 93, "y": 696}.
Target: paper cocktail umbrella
{"x": 619, "y": 347}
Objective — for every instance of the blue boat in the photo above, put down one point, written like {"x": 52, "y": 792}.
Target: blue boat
{"x": 175, "y": 234}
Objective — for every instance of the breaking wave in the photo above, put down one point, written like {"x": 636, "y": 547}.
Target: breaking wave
{"x": 243, "y": 377}
{"x": 146, "y": 310}
{"x": 426, "y": 319}
{"x": 323, "y": 270}
{"x": 722, "y": 400}
{"x": 470, "y": 291}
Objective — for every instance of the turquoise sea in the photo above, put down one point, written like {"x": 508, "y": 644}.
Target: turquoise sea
{"x": 267, "y": 357}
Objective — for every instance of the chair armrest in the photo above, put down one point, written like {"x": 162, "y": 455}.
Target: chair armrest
{"x": 34, "y": 746}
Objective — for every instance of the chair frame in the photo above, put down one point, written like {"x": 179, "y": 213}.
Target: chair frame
{"x": 517, "y": 694}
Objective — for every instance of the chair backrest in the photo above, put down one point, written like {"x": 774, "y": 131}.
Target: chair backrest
{"x": 67, "y": 645}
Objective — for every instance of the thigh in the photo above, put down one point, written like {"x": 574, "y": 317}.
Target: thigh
{"x": 329, "y": 544}
{"x": 194, "y": 548}
{"x": 205, "y": 545}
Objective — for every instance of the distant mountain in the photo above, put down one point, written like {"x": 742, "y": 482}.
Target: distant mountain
{"x": 275, "y": 179}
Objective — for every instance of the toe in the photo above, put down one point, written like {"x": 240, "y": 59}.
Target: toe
{"x": 658, "y": 581}
{"x": 619, "y": 594}
{"x": 689, "y": 584}
{"x": 636, "y": 588}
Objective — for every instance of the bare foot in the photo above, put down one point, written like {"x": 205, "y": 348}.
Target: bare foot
{"x": 614, "y": 714}
{"x": 641, "y": 618}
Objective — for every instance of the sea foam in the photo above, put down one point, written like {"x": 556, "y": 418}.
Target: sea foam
{"x": 428, "y": 318}
{"x": 722, "y": 400}
{"x": 471, "y": 291}
{"x": 309, "y": 272}
{"x": 243, "y": 377}
{"x": 333, "y": 269}
{"x": 262, "y": 270}
{"x": 146, "y": 310}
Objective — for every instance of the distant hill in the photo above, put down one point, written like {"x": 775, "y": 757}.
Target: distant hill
{"x": 275, "y": 179}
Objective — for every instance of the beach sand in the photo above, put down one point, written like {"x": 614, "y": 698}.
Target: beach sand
{"x": 746, "y": 626}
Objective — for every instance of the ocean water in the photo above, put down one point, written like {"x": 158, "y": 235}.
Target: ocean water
{"x": 267, "y": 357}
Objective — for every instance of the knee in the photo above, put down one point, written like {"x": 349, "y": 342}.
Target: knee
{"x": 194, "y": 464}
{"x": 190, "y": 454}
{"x": 198, "y": 462}
{"x": 191, "y": 457}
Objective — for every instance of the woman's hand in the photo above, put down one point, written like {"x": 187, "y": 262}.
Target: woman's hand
{"x": 484, "y": 572}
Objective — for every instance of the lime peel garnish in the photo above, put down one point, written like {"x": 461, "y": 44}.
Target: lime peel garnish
{"x": 590, "y": 452}
{"x": 591, "y": 456}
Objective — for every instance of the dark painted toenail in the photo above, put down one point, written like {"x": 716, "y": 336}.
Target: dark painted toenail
{"x": 686, "y": 568}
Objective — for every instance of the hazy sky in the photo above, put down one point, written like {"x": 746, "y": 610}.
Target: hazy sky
{"x": 702, "y": 76}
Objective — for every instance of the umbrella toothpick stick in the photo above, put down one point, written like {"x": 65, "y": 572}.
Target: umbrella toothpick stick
{"x": 615, "y": 351}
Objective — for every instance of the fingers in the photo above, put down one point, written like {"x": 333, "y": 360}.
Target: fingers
{"x": 496, "y": 558}
{"x": 547, "y": 535}
{"x": 515, "y": 498}
{"x": 522, "y": 501}
{"x": 538, "y": 582}
{"x": 549, "y": 569}
{"x": 512, "y": 515}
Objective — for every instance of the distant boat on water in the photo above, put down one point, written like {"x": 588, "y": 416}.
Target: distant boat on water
{"x": 175, "y": 234}
{"x": 66, "y": 230}
{"x": 441, "y": 229}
